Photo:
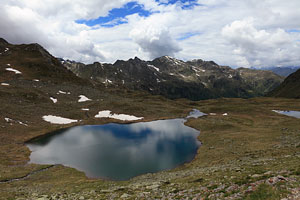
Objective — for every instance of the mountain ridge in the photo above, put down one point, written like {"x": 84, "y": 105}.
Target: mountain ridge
{"x": 290, "y": 88}
{"x": 174, "y": 78}
{"x": 166, "y": 76}
{"x": 281, "y": 71}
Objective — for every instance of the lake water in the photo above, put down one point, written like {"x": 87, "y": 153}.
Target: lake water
{"x": 289, "y": 113}
{"x": 119, "y": 151}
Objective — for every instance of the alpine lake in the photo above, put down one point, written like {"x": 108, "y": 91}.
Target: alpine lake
{"x": 119, "y": 151}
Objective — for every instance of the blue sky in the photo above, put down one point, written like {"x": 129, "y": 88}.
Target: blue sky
{"x": 184, "y": 4}
{"x": 117, "y": 16}
{"x": 187, "y": 35}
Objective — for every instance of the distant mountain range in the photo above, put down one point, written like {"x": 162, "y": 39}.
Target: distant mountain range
{"x": 173, "y": 78}
{"x": 281, "y": 71}
{"x": 166, "y": 76}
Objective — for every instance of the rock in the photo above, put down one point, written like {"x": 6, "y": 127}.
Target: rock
{"x": 232, "y": 188}
{"x": 238, "y": 169}
{"x": 42, "y": 198}
{"x": 124, "y": 196}
{"x": 81, "y": 198}
{"x": 92, "y": 192}
{"x": 268, "y": 173}
{"x": 218, "y": 189}
{"x": 272, "y": 181}
{"x": 107, "y": 191}
{"x": 281, "y": 178}
{"x": 152, "y": 187}
{"x": 256, "y": 176}
{"x": 34, "y": 194}
{"x": 120, "y": 188}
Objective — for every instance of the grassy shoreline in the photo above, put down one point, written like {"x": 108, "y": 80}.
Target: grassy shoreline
{"x": 249, "y": 146}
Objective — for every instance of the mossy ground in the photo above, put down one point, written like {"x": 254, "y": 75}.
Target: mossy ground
{"x": 241, "y": 153}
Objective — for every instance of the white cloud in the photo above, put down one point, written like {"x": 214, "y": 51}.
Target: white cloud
{"x": 156, "y": 42}
{"x": 260, "y": 47}
{"x": 230, "y": 32}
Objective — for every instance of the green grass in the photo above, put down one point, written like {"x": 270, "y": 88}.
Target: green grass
{"x": 264, "y": 192}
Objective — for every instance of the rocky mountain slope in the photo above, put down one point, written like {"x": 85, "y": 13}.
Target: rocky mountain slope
{"x": 173, "y": 78}
{"x": 290, "y": 88}
{"x": 281, "y": 71}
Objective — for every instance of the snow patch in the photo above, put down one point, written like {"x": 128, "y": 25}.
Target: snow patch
{"x": 83, "y": 98}
{"x": 22, "y": 123}
{"x": 58, "y": 120}
{"x": 123, "y": 117}
{"x": 36, "y": 80}
{"x": 152, "y": 66}
{"x": 8, "y": 120}
{"x": 62, "y": 92}
{"x": 85, "y": 109}
{"x": 205, "y": 84}
{"x": 13, "y": 70}
{"x": 183, "y": 76}
{"x": 107, "y": 81}
{"x": 174, "y": 60}
{"x": 225, "y": 114}
{"x": 53, "y": 99}
{"x": 5, "y": 84}
{"x": 212, "y": 114}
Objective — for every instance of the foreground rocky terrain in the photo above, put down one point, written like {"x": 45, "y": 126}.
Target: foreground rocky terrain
{"x": 249, "y": 153}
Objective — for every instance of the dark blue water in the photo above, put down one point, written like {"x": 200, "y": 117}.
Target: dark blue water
{"x": 119, "y": 151}
{"x": 289, "y": 113}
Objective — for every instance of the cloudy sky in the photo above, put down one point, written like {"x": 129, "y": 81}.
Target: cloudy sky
{"x": 237, "y": 33}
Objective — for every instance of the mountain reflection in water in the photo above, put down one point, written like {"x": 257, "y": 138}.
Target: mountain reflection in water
{"x": 118, "y": 151}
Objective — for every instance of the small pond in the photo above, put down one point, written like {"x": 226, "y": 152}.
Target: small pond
{"x": 119, "y": 151}
{"x": 289, "y": 113}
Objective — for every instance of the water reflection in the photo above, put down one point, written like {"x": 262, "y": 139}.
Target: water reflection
{"x": 118, "y": 151}
{"x": 289, "y": 113}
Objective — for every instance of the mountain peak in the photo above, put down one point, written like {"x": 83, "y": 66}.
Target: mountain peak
{"x": 135, "y": 59}
{"x": 3, "y": 42}
{"x": 169, "y": 59}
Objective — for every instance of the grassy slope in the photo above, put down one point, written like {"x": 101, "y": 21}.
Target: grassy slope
{"x": 250, "y": 140}
{"x": 290, "y": 88}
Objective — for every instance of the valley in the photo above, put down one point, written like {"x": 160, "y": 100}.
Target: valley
{"x": 248, "y": 152}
